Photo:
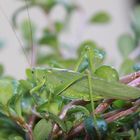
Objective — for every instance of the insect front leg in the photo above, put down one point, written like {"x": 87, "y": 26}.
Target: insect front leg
{"x": 90, "y": 54}
{"x": 86, "y": 60}
{"x": 83, "y": 62}
{"x": 91, "y": 96}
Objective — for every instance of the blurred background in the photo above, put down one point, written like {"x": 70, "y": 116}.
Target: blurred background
{"x": 62, "y": 26}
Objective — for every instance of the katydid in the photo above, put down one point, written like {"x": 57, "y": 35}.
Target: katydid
{"x": 74, "y": 85}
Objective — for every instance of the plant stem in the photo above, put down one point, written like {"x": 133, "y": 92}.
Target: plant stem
{"x": 75, "y": 131}
{"x": 24, "y": 125}
{"x": 91, "y": 97}
{"x": 135, "y": 83}
{"x": 30, "y": 132}
{"x": 106, "y": 115}
{"x": 122, "y": 114}
{"x": 103, "y": 106}
{"x": 32, "y": 120}
{"x": 128, "y": 78}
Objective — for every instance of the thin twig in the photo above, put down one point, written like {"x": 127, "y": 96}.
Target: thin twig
{"x": 29, "y": 132}
{"x": 65, "y": 110}
{"x": 122, "y": 114}
{"x": 135, "y": 83}
{"x": 21, "y": 122}
{"x": 103, "y": 106}
{"x": 76, "y": 131}
{"x": 108, "y": 114}
{"x": 32, "y": 121}
{"x": 128, "y": 78}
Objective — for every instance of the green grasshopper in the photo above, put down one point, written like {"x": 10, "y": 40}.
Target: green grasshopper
{"x": 75, "y": 85}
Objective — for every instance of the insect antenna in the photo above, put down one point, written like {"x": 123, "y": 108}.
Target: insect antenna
{"x": 31, "y": 36}
{"x": 16, "y": 35}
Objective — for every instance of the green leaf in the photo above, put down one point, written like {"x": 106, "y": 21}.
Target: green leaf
{"x": 42, "y": 129}
{"x": 100, "y": 17}
{"x": 25, "y": 85}
{"x": 90, "y": 128}
{"x": 18, "y": 11}
{"x": 78, "y": 108}
{"x": 54, "y": 105}
{"x": 26, "y": 31}
{"x": 59, "y": 26}
{"x": 57, "y": 120}
{"x": 15, "y": 102}
{"x": 69, "y": 125}
{"x": 6, "y": 134}
{"x": 95, "y": 132}
{"x": 9, "y": 130}
{"x": 15, "y": 137}
{"x": 46, "y": 5}
{"x": 108, "y": 73}
{"x": 136, "y": 22}
{"x": 49, "y": 38}
{"x": 27, "y": 104}
{"x": 127, "y": 67}
{"x": 119, "y": 103}
{"x": 76, "y": 114}
{"x": 126, "y": 44}
{"x": 6, "y": 91}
